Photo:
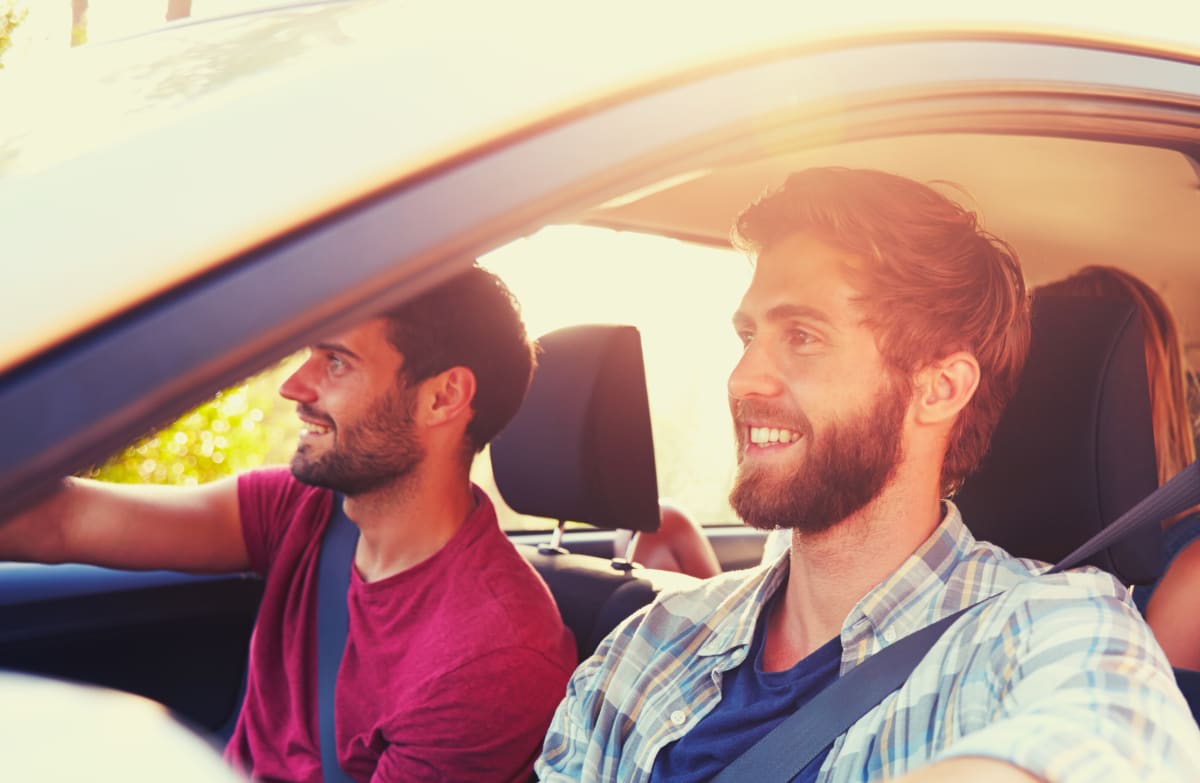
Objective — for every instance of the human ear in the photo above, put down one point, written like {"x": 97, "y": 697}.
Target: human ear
{"x": 945, "y": 387}
{"x": 448, "y": 395}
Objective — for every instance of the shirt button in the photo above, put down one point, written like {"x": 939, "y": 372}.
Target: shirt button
{"x": 679, "y": 717}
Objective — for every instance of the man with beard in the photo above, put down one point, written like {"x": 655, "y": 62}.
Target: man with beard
{"x": 883, "y": 333}
{"x": 456, "y": 655}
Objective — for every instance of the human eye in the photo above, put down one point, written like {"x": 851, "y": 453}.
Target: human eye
{"x": 746, "y": 336}
{"x": 335, "y": 363}
{"x": 799, "y": 337}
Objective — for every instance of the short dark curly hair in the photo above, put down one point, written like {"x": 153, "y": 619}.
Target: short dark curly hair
{"x": 935, "y": 282}
{"x": 472, "y": 321}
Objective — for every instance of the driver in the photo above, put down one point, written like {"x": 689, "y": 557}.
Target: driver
{"x": 456, "y": 655}
{"x": 883, "y": 333}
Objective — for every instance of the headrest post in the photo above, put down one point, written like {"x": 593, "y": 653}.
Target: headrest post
{"x": 554, "y": 546}
{"x": 624, "y": 561}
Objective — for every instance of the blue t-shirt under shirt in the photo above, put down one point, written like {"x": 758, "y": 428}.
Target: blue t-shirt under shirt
{"x": 753, "y": 702}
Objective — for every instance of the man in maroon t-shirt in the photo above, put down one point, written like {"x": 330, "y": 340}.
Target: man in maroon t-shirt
{"x": 456, "y": 656}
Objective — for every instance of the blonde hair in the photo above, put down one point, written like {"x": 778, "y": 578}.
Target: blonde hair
{"x": 1173, "y": 437}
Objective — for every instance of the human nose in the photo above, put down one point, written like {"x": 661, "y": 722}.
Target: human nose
{"x": 298, "y": 387}
{"x": 754, "y": 375}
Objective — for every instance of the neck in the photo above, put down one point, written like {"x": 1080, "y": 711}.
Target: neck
{"x": 404, "y": 523}
{"x": 831, "y": 571}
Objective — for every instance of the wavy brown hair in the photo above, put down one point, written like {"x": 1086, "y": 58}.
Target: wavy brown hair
{"x": 933, "y": 282}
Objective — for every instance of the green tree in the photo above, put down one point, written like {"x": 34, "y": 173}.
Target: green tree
{"x": 11, "y": 15}
{"x": 243, "y": 427}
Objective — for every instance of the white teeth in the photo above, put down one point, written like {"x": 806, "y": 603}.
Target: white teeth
{"x": 763, "y": 435}
{"x": 314, "y": 429}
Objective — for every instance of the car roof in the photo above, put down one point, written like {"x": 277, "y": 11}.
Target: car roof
{"x": 184, "y": 207}
{"x": 132, "y": 167}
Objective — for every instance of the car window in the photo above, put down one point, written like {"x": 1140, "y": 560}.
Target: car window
{"x": 566, "y": 275}
{"x": 563, "y": 275}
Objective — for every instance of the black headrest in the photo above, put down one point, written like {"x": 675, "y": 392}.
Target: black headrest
{"x": 1075, "y": 447}
{"x": 580, "y": 447}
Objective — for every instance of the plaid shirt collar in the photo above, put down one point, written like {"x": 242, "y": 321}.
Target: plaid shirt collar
{"x": 897, "y": 606}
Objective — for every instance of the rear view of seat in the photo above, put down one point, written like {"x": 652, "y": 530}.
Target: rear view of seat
{"x": 1075, "y": 448}
{"x": 580, "y": 450}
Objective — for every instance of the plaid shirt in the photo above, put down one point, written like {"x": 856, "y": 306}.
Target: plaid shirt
{"x": 1059, "y": 675}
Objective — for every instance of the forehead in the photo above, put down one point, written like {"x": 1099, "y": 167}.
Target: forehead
{"x": 369, "y": 340}
{"x": 801, "y": 270}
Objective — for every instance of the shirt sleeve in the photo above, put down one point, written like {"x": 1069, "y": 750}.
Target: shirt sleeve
{"x": 1082, "y": 692}
{"x": 483, "y": 721}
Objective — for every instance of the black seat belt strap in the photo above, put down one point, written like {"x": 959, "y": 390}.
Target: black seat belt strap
{"x": 1179, "y": 494}
{"x": 789, "y": 747}
{"x": 333, "y": 621}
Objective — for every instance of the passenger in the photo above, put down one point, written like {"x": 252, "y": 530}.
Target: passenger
{"x": 456, "y": 656}
{"x": 1172, "y": 605}
{"x": 884, "y": 331}
{"x": 679, "y": 544}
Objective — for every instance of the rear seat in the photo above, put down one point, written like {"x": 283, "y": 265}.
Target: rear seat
{"x": 580, "y": 450}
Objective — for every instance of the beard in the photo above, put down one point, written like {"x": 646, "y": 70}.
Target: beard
{"x": 380, "y": 449}
{"x": 846, "y": 467}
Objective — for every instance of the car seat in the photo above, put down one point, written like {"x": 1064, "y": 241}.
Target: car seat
{"x": 580, "y": 449}
{"x": 1074, "y": 448}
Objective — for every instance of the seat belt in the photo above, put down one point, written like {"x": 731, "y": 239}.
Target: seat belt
{"x": 333, "y": 620}
{"x": 788, "y": 748}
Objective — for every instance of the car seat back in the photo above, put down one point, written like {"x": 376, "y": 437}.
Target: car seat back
{"x": 1074, "y": 449}
{"x": 580, "y": 449}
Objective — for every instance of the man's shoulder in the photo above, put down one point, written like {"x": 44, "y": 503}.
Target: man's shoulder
{"x": 715, "y": 604}
{"x": 988, "y": 569}
{"x": 491, "y": 589}
{"x": 709, "y": 593}
{"x": 1080, "y": 607}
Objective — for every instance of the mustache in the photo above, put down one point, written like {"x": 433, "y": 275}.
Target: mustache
{"x": 745, "y": 411}
{"x": 311, "y": 413}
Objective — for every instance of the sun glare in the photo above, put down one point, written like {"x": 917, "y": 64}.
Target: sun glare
{"x": 680, "y": 297}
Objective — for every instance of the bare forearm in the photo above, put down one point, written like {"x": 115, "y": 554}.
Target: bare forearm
{"x": 129, "y": 526}
{"x": 36, "y": 533}
{"x": 976, "y": 769}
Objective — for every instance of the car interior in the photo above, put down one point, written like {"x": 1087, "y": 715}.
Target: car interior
{"x": 1067, "y": 178}
{"x": 1073, "y": 450}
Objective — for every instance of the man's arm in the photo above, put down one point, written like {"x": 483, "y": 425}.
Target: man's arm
{"x": 482, "y": 721}
{"x": 975, "y": 769}
{"x": 1082, "y": 693}
{"x": 132, "y": 526}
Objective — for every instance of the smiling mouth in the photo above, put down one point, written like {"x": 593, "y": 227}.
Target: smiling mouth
{"x": 773, "y": 436}
{"x": 310, "y": 428}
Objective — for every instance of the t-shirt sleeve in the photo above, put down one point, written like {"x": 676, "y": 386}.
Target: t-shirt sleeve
{"x": 1086, "y": 695}
{"x": 485, "y": 720}
{"x": 269, "y": 501}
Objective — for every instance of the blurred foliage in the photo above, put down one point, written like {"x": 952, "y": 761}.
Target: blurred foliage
{"x": 242, "y": 427}
{"x": 11, "y": 15}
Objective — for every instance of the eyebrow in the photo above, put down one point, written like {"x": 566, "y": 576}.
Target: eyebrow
{"x": 782, "y": 312}
{"x": 338, "y": 348}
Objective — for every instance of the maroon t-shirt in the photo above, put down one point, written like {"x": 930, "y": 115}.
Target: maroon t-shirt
{"x": 452, "y": 669}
